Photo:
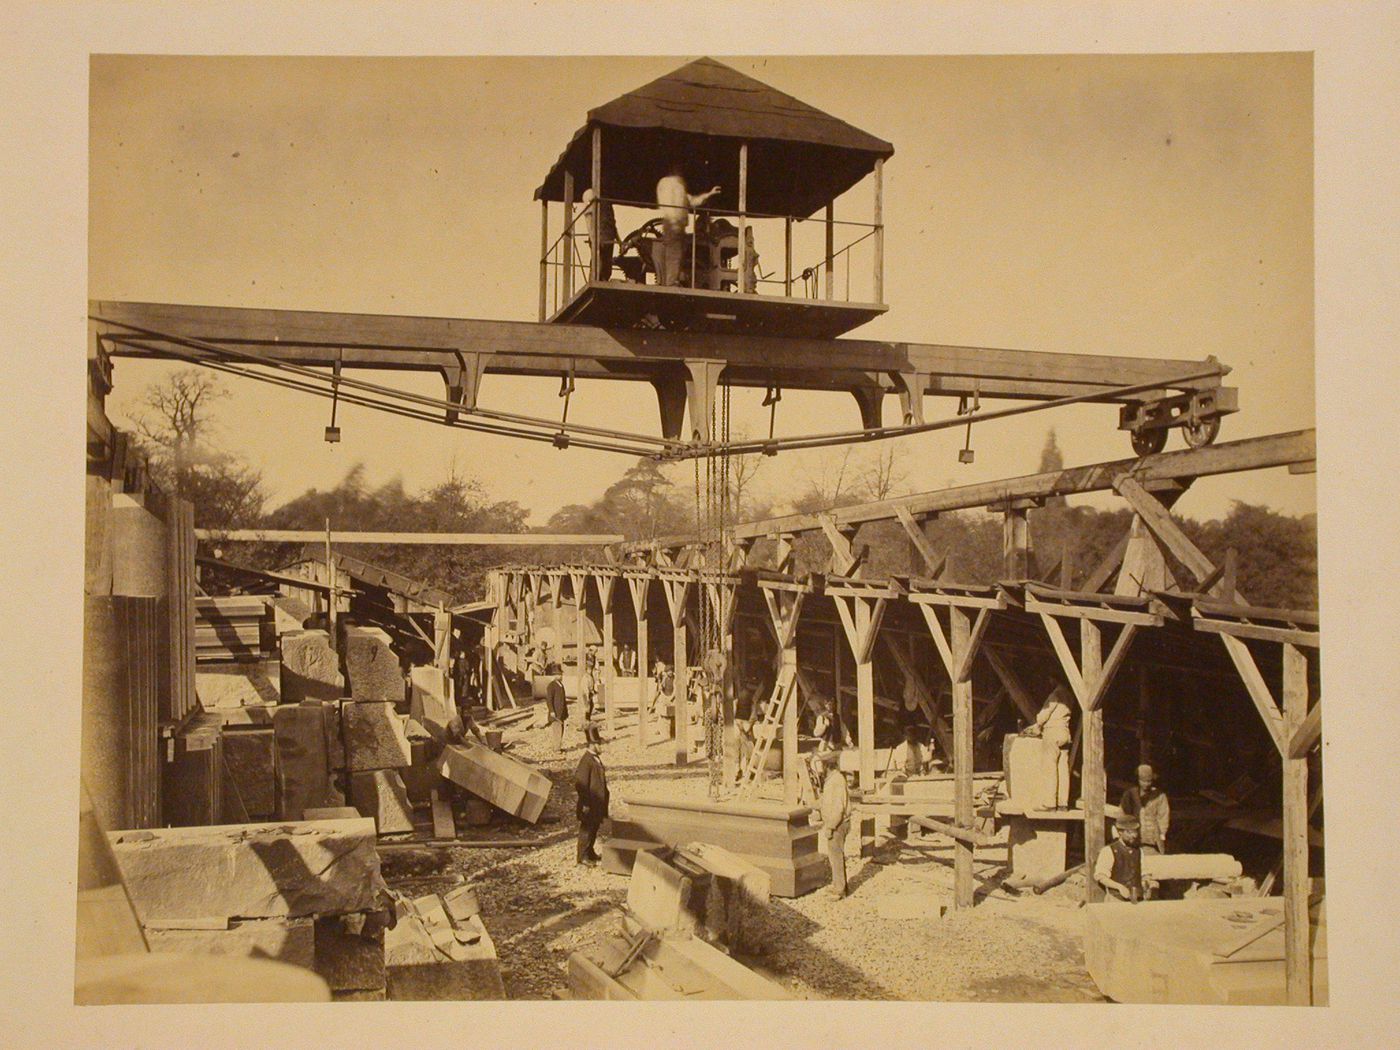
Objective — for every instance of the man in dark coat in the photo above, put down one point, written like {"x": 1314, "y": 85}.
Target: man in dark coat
{"x": 591, "y": 783}
{"x": 558, "y": 705}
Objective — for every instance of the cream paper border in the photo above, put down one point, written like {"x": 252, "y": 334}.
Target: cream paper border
{"x": 45, "y": 201}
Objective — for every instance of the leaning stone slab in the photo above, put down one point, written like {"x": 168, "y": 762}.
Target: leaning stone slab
{"x": 505, "y": 782}
{"x": 310, "y": 667}
{"x": 286, "y": 940}
{"x": 374, "y": 736}
{"x": 430, "y": 700}
{"x": 372, "y": 665}
{"x": 324, "y": 867}
{"x": 380, "y": 795}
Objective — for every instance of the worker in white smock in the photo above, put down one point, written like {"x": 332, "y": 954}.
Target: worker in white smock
{"x": 1052, "y": 726}
{"x": 675, "y": 201}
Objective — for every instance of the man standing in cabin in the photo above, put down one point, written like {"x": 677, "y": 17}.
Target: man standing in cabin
{"x": 836, "y": 819}
{"x": 591, "y": 784}
{"x": 558, "y": 705}
{"x": 1149, "y": 804}
{"x": 675, "y": 201}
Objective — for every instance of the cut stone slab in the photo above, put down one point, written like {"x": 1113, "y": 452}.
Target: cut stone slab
{"x": 1030, "y": 775}
{"x": 242, "y": 684}
{"x": 325, "y": 867}
{"x": 347, "y": 960}
{"x": 429, "y": 957}
{"x": 430, "y": 700}
{"x": 1038, "y": 848}
{"x": 372, "y": 666}
{"x": 505, "y": 782}
{"x": 776, "y": 838}
{"x": 332, "y": 813}
{"x": 286, "y": 940}
{"x": 374, "y": 736}
{"x": 380, "y": 795}
{"x": 303, "y": 768}
{"x": 250, "y": 774}
{"x": 658, "y": 895}
{"x": 310, "y": 667}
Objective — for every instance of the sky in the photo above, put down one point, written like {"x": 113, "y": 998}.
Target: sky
{"x": 1153, "y": 206}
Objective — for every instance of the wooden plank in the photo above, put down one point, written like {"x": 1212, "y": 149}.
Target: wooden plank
{"x": 444, "y": 827}
{"x": 1092, "y": 786}
{"x": 1306, "y": 734}
{"x": 1297, "y": 951}
{"x": 1159, "y": 520}
{"x": 455, "y": 539}
{"x": 1110, "y": 668}
{"x": 1259, "y": 632}
{"x": 974, "y": 641}
{"x": 1023, "y": 700}
{"x": 932, "y": 561}
{"x": 1097, "y": 613}
{"x": 970, "y": 836}
{"x": 1223, "y": 458}
{"x": 1257, "y": 688}
{"x": 963, "y": 883}
{"x": 865, "y": 717}
{"x": 1067, "y": 661}
{"x": 940, "y": 639}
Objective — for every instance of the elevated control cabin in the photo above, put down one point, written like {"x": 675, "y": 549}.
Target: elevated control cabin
{"x": 766, "y": 254}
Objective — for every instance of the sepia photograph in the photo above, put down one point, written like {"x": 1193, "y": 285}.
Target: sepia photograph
{"x": 756, "y": 520}
{"x": 632, "y": 529}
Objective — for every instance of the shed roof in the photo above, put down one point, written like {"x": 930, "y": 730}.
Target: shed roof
{"x": 799, "y": 157}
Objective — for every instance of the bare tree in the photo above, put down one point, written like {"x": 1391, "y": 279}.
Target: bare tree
{"x": 884, "y": 475}
{"x": 175, "y": 426}
{"x": 832, "y": 486}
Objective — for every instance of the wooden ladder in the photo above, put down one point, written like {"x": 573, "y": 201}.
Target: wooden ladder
{"x": 765, "y": 731}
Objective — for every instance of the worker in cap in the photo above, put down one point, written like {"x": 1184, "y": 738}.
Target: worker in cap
{"x": 835, "y": 808}
{"x": 1118, "y": 868}
{"x": 1148, "y": 802}
{"x": 591, "y": 788}
{"x": 1052, "y": 726}
{"x": 558, "y": 705}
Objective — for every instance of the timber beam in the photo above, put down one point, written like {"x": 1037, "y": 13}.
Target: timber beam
{"x": 381, "y": 341}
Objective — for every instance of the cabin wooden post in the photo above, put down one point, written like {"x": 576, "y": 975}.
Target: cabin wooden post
{"x": 595, "y": 263}
{"x": 880, "y": 232}
{"x": 743, "y": 218}
{"x": 544, "y": 259}
{"x": 787, "y": 255}
{"x": 830, "y": 246}
{"x": 681, "y": 703}
{"x": 568, "y": 242}
{"x": 580, "y": 585}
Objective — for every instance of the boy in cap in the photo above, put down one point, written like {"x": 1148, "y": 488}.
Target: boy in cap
{"x": 1149, "y": 804}
{"x": 1119, "y": 865}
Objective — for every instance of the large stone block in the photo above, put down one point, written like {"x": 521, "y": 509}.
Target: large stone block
{"x": 775, "y": 838}
{"x": 303, "y": 768}
{"x": 380, "y": 795}
{"x": 348, "y": 957}
{"x": 247, "y": 683}
{"x": 250, "y": 774}
{"x": 310, "y": 667}
{"x": 374, "y": 736}
{"x": 286, "y": 940}
{"x": 428, "y": 956}
{"x": 505, "y": 782}
{"x": 1030, "y": 772}
{"x": 373, "y": 667}
{"x": 324, "y": 867}
{"x": 430, "y": 700}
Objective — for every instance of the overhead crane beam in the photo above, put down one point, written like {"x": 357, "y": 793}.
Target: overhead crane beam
{"x": 462, "y": 350}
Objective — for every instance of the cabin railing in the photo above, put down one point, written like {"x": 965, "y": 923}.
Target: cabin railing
{"x": 817, "y": 258}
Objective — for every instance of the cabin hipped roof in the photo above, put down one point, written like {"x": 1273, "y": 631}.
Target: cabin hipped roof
{"x": 799, "y": 157}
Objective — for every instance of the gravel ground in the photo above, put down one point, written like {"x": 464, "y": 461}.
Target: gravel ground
{"x": 539, "y": 905}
